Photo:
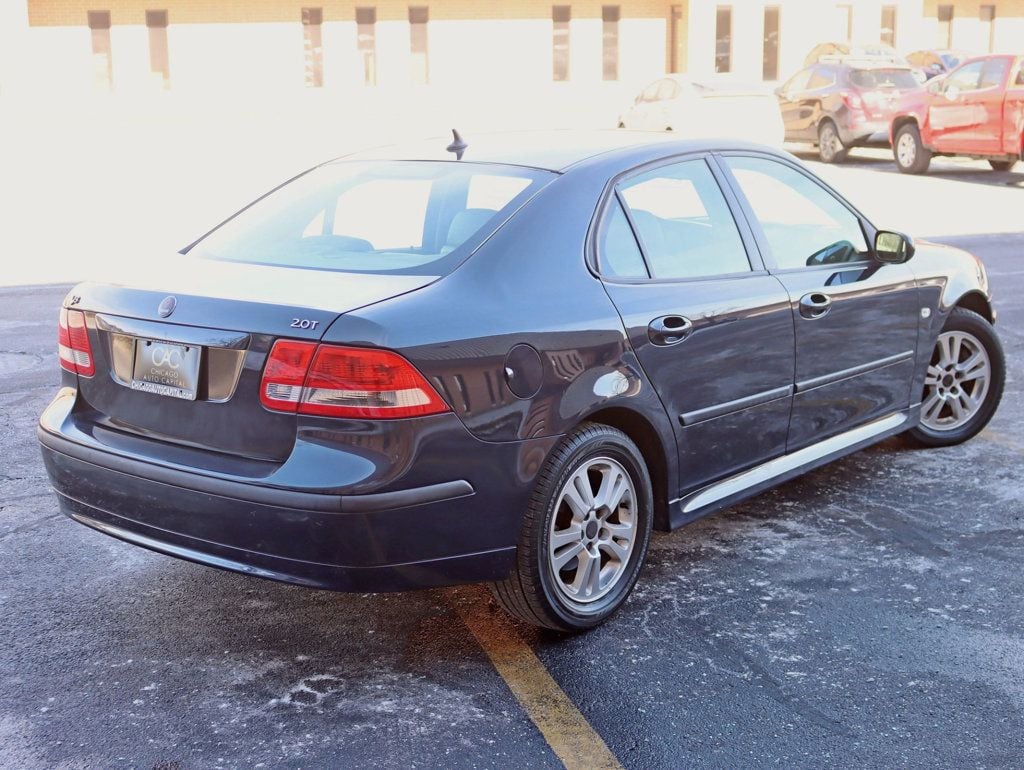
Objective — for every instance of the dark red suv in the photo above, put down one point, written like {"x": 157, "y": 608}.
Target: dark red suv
{"x": 841, "y": 104}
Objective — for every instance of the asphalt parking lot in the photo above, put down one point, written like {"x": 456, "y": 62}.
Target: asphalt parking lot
{"x": 868, "y": 613}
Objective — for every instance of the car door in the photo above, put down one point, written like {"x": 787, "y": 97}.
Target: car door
{"x": 987, "y": 135}
{"x": 819, "y": 88}
{"x": 951, "y": 114}
{"x": 710, "y": 327}
{"x": 789, "y": 103}
{"x": 855, "y": 319}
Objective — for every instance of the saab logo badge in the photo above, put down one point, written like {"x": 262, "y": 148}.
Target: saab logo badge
{"x": 167, "y": 306}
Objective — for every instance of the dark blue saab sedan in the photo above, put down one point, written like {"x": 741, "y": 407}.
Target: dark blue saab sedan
{"x": 506, "y": 360}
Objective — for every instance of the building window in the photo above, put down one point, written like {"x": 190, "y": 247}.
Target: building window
{"x": 945, "y": 13}
{"x": 418, "y": 44}
{"x": 366, "y": 36}
{"x": 610, "y": 42}
{"x": 888, "y": 35}
{"x": 770, "y": 54}
{"x": 723, "y": 39}
{"x": 676, "y": 39}
{"x": 987, "y": 14}
{"x": 560, "y": 17}
{"x": 844, "y": 22}
{"x": 159, "y": 62}
{"x": 102, "y": 63}
{"x": 313, "y": 46}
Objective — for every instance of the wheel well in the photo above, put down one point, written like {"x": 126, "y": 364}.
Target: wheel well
{"x": 901, "y": 122}
{"x": 643, "y": 434}
{"x": 975, "y": 301}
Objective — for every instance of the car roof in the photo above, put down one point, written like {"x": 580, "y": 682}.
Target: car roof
{"x": 553, "y": 150}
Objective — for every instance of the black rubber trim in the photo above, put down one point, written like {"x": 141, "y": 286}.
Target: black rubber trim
{"x": 718, "y": 410}
{"x": 253, "y": 493}
{"x": 853, "y": 371}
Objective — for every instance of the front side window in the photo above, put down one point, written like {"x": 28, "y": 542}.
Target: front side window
{"x": 994, "y": 73}
{"x": 966, "y": 78}
{"x": 684, "y": 222}
{"x": 374, "y": 216}
{"x": 803, "y": 223}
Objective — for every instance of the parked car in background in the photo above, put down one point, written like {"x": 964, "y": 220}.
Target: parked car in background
{"x": 694, "y": 109}
{"x": 934, "y": 63}
{"x": 977, "y": 110}
{"x": 505, "y": 361}
{"x": 841, "y": 104}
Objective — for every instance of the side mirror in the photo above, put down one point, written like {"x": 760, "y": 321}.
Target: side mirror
{"x": 893, "y": 248}
{"x": 952, "y": 92}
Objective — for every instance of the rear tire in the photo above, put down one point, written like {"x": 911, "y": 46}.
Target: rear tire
{"x": 964, "y": 382}
{"x": 593, "y": 497}
{"x": 911, "y": 156}
{"x": 830, "y": 146}
{"x": 1002, "y": 165}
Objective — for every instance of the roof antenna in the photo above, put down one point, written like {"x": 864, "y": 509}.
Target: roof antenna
{"x": 458, "y": 145}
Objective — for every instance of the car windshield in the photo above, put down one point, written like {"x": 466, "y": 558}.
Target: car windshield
{"x": 883, "y": 78}
{"x": 405, "y": 217}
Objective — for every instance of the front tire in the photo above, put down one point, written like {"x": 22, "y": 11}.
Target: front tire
{"x": 830, "y": 146}
{"x": 911, "y": 156}
{"x": 964, "y": 381}
{"x": 585, "y": 533}
{"x": 1002, "y": 165}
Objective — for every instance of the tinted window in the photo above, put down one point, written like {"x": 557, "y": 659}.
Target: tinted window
{"x": 684, "y": 223}
{"x": 798, "y": 82}
{"x": 804, "y": 223}
{"x": 884, "y": 78}
{"x": 618, "y": 251}
{"x": 966, "y": 78}
{"x": 994, "y": 73}
{"x": 374, "y": 216}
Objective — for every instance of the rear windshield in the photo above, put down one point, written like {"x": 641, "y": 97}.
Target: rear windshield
{"x": 883, "y": 78}
{"x": 406, "y": 217}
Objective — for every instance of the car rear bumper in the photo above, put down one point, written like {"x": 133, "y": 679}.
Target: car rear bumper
{"x": 860, "y": 133}
{"x": 412, "y": 537}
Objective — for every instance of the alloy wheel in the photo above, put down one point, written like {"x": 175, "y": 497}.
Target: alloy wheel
{"x": 593, "y": 530}
{"x": 956, "y": 382}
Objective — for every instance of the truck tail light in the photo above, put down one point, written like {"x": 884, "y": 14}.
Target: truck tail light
{"x": 337, "y": 381}
{"x": 73, "y": 346}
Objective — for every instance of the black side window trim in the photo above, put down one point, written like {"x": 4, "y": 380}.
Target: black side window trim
{"x": 772, "y": 266}
{"x": 747, "y": 236}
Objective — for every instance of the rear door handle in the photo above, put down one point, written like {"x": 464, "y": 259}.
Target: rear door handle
{"x": 669, "y": 330}
{"x": 815, "y": 305}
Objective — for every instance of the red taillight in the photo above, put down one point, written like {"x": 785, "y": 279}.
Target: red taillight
{"x": 73, "y": 347}
{"x": 335, "y": 381}
{"x": 853, "y": 100}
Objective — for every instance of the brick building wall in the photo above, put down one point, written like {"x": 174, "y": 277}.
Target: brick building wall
{"x": 260, "y": 46}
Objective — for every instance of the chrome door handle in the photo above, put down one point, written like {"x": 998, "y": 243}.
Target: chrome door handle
{"x": 669, "y": 330}
{"x": 815, "y": 305}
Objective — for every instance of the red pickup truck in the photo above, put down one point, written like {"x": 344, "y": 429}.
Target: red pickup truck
{"x": 977, "y": 110}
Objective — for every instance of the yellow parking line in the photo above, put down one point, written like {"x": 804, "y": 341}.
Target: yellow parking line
{"x": 566, "y": 730}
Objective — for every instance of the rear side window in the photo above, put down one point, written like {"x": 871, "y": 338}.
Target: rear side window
{"x": 409, "y": 217}
{"x": 684, "y": 222}
{"x": 884, "y": 78}
{"x": 804, "y": 224}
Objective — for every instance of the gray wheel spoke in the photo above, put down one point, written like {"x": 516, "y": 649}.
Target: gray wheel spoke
{"x": 932, "y": 406}
{"x": 617, "y": 550}
{"x": 578, "y": 495}
{"x": 586, "y": 572}
{"x": 563, "y": 557}
{"x": 621, "y": 531}
{"x": 933, "y": 375}
{"x": 564, "y": 537}
{"x": 614, "y": 486}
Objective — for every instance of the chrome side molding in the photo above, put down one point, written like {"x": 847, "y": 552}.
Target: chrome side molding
{"x": 780, "y": 466}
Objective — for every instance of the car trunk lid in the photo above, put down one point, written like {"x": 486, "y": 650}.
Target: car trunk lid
{"x": 179, "y": 357}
